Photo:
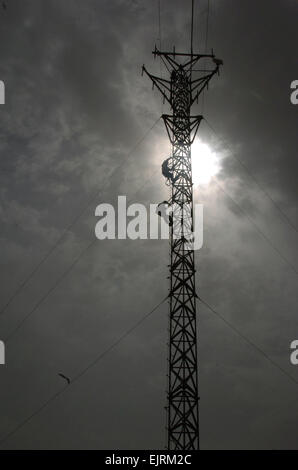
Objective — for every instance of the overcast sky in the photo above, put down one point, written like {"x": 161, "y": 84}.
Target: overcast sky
{"x": 76, "y": 104}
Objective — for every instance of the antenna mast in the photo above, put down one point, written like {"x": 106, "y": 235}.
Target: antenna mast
{"x": 181, "y": 91}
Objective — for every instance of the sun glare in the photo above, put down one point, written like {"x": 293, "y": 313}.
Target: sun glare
{"x": 205, "y": 163}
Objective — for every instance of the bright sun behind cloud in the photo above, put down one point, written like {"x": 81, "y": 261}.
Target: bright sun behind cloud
{"x": 205, "y": 163}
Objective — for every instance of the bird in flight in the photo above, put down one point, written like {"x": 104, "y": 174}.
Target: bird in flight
{"x": 65, "y": 378}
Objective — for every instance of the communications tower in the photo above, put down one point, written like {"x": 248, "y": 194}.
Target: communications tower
{"x": 186, "y": 81}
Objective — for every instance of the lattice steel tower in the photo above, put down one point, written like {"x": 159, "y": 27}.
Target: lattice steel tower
{"x": 186, "y": 82}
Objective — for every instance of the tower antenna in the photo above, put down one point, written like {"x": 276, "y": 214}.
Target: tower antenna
{"x": 181, "y": 90}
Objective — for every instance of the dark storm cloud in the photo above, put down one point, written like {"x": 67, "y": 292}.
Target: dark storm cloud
{"x": 260, "y": 64}
{"x": 76, "y": 105}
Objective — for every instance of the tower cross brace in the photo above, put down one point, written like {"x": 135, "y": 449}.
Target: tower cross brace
{"x": 181, "y": 90}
